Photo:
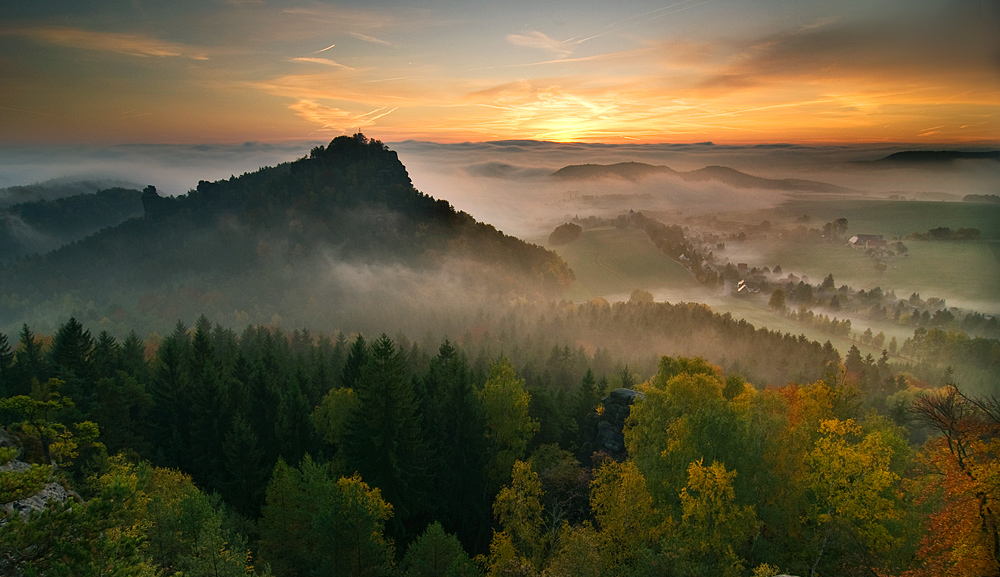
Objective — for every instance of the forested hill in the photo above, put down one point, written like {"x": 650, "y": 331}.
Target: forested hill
{"x": 252, "y": 239}
{"x": 42, "y": 225}
{"x": 636, "y": 171}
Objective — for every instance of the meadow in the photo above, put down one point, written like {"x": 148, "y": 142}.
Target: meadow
{"x": 965, "y": 273}
{"x": 611, "y": 263}
{"x": 894, "y": 218}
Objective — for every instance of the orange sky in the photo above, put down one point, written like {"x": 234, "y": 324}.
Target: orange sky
{"x": 727, "y": 71}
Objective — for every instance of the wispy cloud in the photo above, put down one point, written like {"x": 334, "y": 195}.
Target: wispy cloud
{"x": 323, "y": 49}
{"x": 370, "y": 39}
{"x": 130, "y": 44}
{"x": 329, "y": 118}
{"x": 332, "y": 119}
{"x": 323, "y": 61}
{"x": 542, "y": 41}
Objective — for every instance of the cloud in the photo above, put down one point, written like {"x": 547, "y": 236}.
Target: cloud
{"x": 323, "y": 49}
{"x": 329, "y": 118}
{"x": 542, "y": 41}
{"x": 919, "y": 49}
{"x": 370, "y": 39}
{"x": 130, "y": 44}
{"x": 323, "y": 61}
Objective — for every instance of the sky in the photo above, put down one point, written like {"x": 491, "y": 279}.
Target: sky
{"x": 925, "y": 72}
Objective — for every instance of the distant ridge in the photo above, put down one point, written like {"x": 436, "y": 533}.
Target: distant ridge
{"x": 938, "y": 156}
{"x": 636, "y": 171}
{"x": 255, "y": 240}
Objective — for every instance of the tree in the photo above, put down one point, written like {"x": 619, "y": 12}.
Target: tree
{"x": 69, "y": 359}
{"x": 6, "y": 362}
{"x": 518, "y": 509}
{"x": 28, "y": 363}
{"x": 314, "y": 524}
{"x": 777, "y": 302}
{"x": 508, "y": 426}
{"x": 356, "y": 359}
{"x": 828, "y": 283}
{"x": 100, "y": 538}
{"x": 436, "y": 553}
{"x": 850, "y": 480}
{"x": 455, "y": 427}
{"x": 384, "y": 442}
{"x": 713, "y": 525}
{"x": 964, "y": 469}
{"x": 624, "y": 512}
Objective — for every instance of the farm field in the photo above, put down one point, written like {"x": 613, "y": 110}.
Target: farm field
{"x": 895, "y": 218}
{"x": 611, "y": 263}
{"x": 965, "y": 273}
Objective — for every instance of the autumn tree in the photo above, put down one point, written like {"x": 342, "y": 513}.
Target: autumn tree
{"x": 713, "y": 525}
{"x": 963, "y": 477}
{"x": 508, "y": 426}
{"x": 851, "y": 483}
{"x": 313, "y": 523}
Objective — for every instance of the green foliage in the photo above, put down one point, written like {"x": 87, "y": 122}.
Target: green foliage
{"x": 518, "y": 509}
{"x": 851, "y": 481}
{"x": 314, "y": 523}
{"x": 436, "y": 553}
{"x": 18, "y": 484}
{"x": 629, "y": 525}
{"x": 100, "y": 538}
{"x": 713, "y": 525}
{"x": 331, "y": 417}
{"x": 384, "y": 442}
{"x": 508, "y": 426}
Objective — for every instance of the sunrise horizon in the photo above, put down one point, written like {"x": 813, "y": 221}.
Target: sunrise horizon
{"x": 907, "y": 73}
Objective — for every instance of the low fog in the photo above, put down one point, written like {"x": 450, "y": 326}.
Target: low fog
{"x": 508, "y": 183}
{"x": 173, "y": 169}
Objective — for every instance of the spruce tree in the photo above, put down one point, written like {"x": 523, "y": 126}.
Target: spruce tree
{"x": 6, "y": 362}
{"x": 384, "y": 442}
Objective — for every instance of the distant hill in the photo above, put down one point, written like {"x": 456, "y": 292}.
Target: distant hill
{"x": 56, "y": 188}
{"x": 636, "y": 171}
{"x": 43, "y": 225}
{"x": 633, "y": 171}
{"x": 251, "y": 241}
{"x": 937, "y": 156}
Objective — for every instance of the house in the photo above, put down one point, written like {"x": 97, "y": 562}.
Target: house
{"x": 866, "y": 241}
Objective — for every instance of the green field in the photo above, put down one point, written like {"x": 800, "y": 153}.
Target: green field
{"x": 896, "y": 218}
{"x": 966, "y": 274}
{"x": 611, "y": 263}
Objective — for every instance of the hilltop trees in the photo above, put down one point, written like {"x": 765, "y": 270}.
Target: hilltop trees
{"x": 384, "y": 441}
{"x": 403, "y": 471}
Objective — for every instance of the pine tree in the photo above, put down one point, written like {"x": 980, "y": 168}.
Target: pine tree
{"x": 29, "y": 363}
{"x": 6, "y": 362}
{"x": 384, "y": 442}
{"x": 171, "y": 390}
{"x": 356, "y": 359}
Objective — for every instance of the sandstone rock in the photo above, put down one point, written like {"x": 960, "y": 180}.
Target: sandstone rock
{"x": 604, "y": 429}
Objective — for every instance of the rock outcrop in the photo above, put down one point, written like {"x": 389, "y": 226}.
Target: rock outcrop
{"x": 604, "y": 430}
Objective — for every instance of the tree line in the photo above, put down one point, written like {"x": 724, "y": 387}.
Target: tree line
{"x": 212, "y": 452}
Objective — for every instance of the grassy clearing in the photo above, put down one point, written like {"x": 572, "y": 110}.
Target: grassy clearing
{"x": 611, "y": 262}
{"x": 967, "y": 274}
{"x": 894, "y": 218}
